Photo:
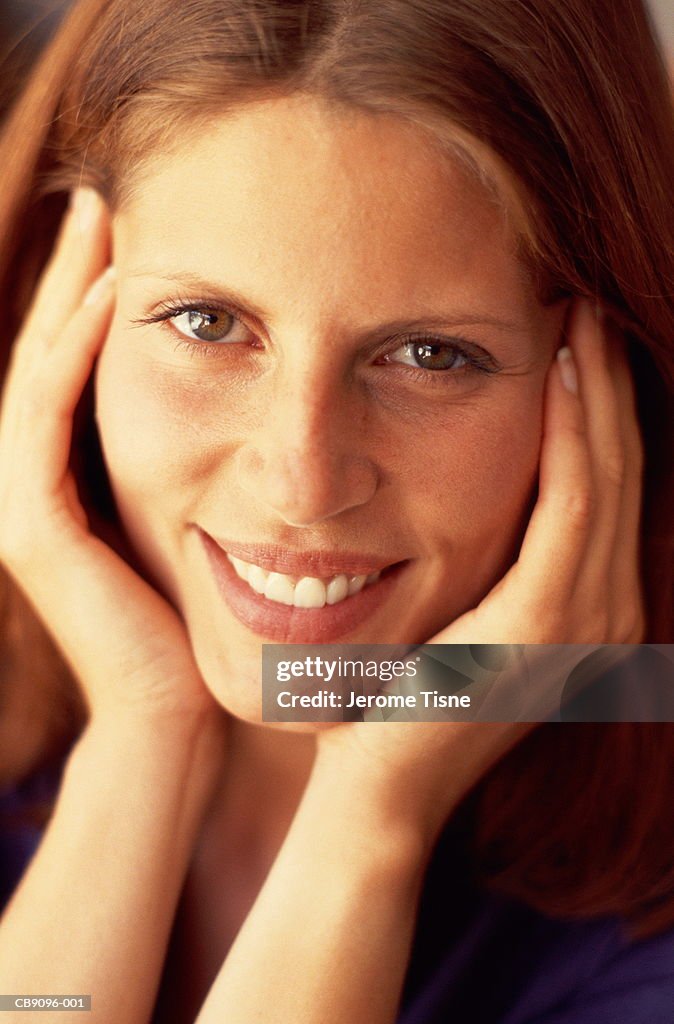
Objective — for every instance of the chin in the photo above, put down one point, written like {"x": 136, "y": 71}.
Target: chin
{"x": 236, "y": 685}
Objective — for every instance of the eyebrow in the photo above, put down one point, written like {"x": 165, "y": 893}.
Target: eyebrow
{"x": 208, "y": 291}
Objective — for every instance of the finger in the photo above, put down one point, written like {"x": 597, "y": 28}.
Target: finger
{"x": 44, "y": 427}
{"x": 626, "y": 588}
{"x": 544, "y": 576}
{"x": 531, "y": 603}
{"x": 605, "y": 442}
{"x": 609, "y": 579}
{"x": 80, "y": 255}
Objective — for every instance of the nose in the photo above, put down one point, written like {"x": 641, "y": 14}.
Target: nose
{"x": 308, "y": 460}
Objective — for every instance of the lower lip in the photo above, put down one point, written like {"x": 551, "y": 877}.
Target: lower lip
{"x": 282, "y": 623}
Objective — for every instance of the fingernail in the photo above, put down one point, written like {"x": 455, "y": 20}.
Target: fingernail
{"x": 567, "y": 369}
{"x": 84, "y": 204}
{"x": 100, "y": 287}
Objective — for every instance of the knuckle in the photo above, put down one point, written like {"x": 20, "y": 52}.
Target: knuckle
{"x": 549, "y": 623}
{"x": 37, "y": 395}
{"x": 578, "y": 507}
{"x": 591, "y": 625}
{"x": 631, "y": 623}
{"x": 614, "y": 468}
{"x": 27, "y": 541}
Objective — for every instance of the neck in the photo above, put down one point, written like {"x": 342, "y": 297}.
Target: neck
{"x": 264, "y": 776}
{"x": 262, "y": 782}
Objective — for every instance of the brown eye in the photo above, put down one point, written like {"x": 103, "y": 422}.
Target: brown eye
{"x": 206, "y": 324}
{"x": 210, "y": 325}
{"x": 436, "y": 356}
{"x": 429, "y": 355}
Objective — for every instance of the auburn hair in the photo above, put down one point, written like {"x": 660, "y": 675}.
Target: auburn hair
{"x": 572, "y": 98}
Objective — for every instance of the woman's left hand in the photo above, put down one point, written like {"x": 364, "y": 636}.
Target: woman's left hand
{"x": 576, "y": 580}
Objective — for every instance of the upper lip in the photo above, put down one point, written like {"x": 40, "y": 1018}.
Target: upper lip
{"x": 277, "y": 558}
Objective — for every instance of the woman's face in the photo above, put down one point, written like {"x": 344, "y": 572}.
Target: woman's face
{"x": 326, "y": 361}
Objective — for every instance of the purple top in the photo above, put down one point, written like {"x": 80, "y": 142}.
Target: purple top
{"x": 477, "y": 958}
{"x": 500, "y": 962}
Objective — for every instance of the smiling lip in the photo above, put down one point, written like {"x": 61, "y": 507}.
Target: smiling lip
{"x": 285, "y": 624}
{"x": 275, "y": 558}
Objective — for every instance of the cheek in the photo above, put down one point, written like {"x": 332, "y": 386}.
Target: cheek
{"x": 154, "y": 439}
{"x": 156, "y": 452}
{"x": 474, "y": 474}
{"x": 468, "y": 493}
{"x": 168, "y": 435}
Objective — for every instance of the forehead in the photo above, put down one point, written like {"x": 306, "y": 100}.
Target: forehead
{"x": 318, "y": 191}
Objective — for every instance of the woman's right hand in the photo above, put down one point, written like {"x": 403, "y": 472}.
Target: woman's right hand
{"x": 127, "y": 646}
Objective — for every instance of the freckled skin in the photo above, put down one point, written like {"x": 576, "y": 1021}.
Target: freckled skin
{"x": 299, "y": 434}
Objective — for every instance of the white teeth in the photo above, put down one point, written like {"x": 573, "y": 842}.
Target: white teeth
{"x": 240, "y": 568}
{"x": 356, "y": 583}
{"x": 337, "y": 589}
{"x": 307, "y": 592}
{"x": 279, "y": 588}
{"x": 257, "y": 578}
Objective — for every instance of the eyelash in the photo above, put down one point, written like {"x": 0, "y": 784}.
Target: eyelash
{"x": 477, "y": 359}
{"x": 169, "y": 310}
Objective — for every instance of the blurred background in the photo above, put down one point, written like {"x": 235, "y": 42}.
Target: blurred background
{"x": 25, "y": 25}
